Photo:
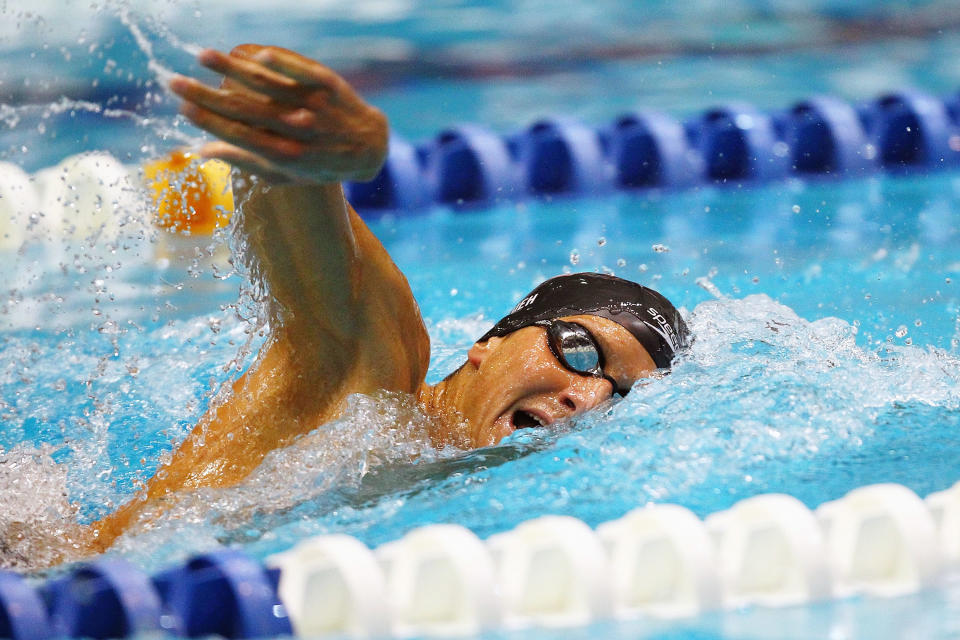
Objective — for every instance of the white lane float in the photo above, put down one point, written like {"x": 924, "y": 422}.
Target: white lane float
{"x": 662, "y": 563}
{"x": 333, "y": 585}
{"x": 440, "y": 581}
{"x": 770, "y": 552}
{"x": 760, "y": 560}
{"x": 18, "y": 201}
{"x": 552, "y": 572}
{"x": 90, "y": 196}
{"x": 881, "y": 541}
{"x": 944, "y": 506}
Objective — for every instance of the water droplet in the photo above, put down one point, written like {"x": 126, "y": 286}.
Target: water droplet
{"x": 795, "y": 208}
{"x": 660, "y": 248}
{"x": 574, "y": 257}
{"x": 601, "y": 241}
{"x": 621, "y": 262}
{"x": 901, "y": 331}
{"x": 454, "y": 292}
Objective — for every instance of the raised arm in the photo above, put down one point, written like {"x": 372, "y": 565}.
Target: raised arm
{"x": 343, "y": 318}
{"x": 302, "y": 130}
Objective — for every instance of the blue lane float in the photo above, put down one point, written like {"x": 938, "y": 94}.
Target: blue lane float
{"x": 732, "y": 144}
{"x": 223, "y": 593}
{"x": 651, "y": 149}
{"x": 106, "y": 599}
{"x": 561, "y": 156}
{"x": 913, "y": 129}
{"x": 22, "y": 612}
{"x": 400, "y": 185}
{"x": 826, "y": 137}
{"x": 470, "y": 165}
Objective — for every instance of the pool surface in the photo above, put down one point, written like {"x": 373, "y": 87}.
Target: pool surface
{"x": 826, "y": 312}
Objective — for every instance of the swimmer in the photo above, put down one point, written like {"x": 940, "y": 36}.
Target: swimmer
{"x": 343, "y": 319}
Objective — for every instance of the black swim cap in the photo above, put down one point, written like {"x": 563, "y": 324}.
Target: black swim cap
{"x": 646, "y": 314}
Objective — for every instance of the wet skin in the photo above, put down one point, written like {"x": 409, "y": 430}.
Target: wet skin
{"x": 519, "y": 373}
{"x": 343, "y": 318}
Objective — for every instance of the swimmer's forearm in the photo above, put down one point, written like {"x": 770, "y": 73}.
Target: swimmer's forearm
{"x": 303, "y": 246}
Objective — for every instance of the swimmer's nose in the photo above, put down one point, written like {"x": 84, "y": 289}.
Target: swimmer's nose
{"x": 584, "y": 393}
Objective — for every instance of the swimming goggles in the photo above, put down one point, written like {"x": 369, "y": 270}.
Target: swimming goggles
{"x": 577, "y": 350}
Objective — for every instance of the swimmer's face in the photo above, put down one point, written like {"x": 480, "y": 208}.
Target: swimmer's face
{"x": 520, "y": 383}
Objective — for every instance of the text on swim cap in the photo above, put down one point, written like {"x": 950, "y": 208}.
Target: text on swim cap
{"x": 668, "y": 333}
{"x": 526, "y": 302}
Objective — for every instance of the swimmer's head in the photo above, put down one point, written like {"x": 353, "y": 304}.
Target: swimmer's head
{"x": 567, "y": 347}
{"x": 646, "y": 314}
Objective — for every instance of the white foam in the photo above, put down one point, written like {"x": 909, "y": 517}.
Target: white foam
{"x": 37, "y": 521}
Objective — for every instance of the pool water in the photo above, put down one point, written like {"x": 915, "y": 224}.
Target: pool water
{"x": 826, "y": 316}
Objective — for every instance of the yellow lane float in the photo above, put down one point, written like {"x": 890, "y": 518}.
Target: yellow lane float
{"x": 192, "y": 197}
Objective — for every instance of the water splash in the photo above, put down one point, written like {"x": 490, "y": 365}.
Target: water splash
{"x": 309, "y": 476}
{"x": 37, "y": 523}
{"x": 161, "y": 72}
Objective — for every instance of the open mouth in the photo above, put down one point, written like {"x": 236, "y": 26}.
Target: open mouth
{"x": 524, "y": 420}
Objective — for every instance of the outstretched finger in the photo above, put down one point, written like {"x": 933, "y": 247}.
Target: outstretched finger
{"x": 305, "y": 71}
{"x": 248, "y": 107}
{"x": 251, "y": 74}
{"x": 260, "y": 141}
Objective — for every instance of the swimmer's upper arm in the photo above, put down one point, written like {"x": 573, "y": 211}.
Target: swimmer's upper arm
{"x": 343, "y": 321}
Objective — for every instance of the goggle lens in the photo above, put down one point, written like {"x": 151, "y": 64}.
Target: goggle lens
{"x": 576, "y": 349}
{"x": 580, "y": 352}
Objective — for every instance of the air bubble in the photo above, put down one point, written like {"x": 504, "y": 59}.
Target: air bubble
{"x": 574, "y": 257}
{"x": 901, "y": 331}
{"x": 660, "y": 248}
{"x": 601, "y": 241}
{"x": 795, "y": 208}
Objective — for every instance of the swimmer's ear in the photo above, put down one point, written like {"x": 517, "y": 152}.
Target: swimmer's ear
{"x": 480, "y": 350}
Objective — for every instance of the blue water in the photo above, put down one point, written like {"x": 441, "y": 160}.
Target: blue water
{"x": 827, "y": 314}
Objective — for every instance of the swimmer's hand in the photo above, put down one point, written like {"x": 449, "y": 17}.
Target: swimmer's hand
{"x": 284, "y": 117}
